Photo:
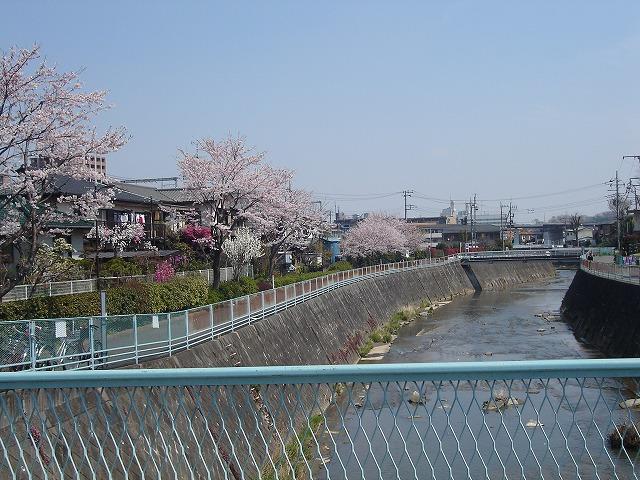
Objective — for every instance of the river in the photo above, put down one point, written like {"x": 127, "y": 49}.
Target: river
{"x": 375, "y": 432}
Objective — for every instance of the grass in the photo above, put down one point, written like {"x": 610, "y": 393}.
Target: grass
{"x": 384, "y": 333}
{"x": 297, "y": 454}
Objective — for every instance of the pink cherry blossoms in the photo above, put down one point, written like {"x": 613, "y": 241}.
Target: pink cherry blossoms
{"x": 288, "y": 221}
{"x": 46, "y": 133}
{"x": 121, "y": 236}
{"x": 229, "y": 183}
{"x": 380, "y": 234}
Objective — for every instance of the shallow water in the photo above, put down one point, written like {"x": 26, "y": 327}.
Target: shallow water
{"x": 450, "y": 435}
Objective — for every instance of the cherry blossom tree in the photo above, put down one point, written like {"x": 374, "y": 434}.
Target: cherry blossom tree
{"x": 288, "y": 221}
{"x": 121, "y": 237}
{"x": 240, "y": 249}
{"x": 228, "y": 182}
{"x": 377, "y": 235}
{"x": 45, "y": 137}
{"x": 414, "y": 239}
{"x": 54, "y": 263}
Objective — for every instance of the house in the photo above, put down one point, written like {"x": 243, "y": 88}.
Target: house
{"x": 484, "y": 233}
{"x": 585, "y": 235}
{"x": 430, "y": 228}
{"x": 146, "y": 206}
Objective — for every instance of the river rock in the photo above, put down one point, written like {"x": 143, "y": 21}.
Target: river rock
{"x": 415, "y": 397}
{"x": 499, "y": 403}
{"x": 631, "y": 403}
{"x": 492, "y": 406}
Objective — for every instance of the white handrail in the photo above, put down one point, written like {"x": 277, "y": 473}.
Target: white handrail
{"x": 69, "y": 287}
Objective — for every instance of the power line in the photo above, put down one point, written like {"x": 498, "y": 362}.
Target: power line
{"x": 525, "y": 197}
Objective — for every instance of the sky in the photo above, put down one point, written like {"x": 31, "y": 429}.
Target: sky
{"x": 503, "y": 99}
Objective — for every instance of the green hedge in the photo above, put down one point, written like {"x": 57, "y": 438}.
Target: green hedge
{"x": 177, "y": 294}
{"x": 77, "y": 305}
{"x": 300, "y": 277}
{"x": 227, "y": 290}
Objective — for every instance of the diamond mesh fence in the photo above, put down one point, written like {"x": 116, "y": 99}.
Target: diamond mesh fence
{"x": 548, "y": 419}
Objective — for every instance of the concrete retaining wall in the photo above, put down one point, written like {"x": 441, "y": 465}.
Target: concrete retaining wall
{"x": 245, "y": 423}
{"x": 605, "y": 313}
{"x": 502, "y": 274}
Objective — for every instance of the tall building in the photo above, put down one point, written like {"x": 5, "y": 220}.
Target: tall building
{"x": 92, "y": 162}
{"x": 450, "y": 214}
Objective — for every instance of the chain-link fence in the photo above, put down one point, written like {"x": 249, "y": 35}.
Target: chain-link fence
{"x": 533, "y": 419}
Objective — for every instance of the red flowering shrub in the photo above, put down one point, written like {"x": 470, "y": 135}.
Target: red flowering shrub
{"x": 164, "y": 271}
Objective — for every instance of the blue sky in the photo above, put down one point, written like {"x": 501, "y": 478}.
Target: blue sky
{"x": 504, "y": 99}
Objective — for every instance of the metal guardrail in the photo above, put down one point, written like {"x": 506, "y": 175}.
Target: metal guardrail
{"x": 117, "y": 340}
{"x": 69, "y": 287}
{"x": 507, "y": 254}
{"x": 620, "y": 273}
{"x": 531, "y": 419}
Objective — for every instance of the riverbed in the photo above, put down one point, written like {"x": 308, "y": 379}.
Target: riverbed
{"x": 548, "y": 429}
{"x": 517, "y": 324}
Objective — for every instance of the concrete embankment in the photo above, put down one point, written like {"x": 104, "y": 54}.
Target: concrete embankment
{"x": 241, "y": 425}
{"x": 604, "y": 313}
{"x": 501, "y": 274}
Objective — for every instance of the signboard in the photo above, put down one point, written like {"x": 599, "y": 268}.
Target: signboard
{"x": 61, "y": 328}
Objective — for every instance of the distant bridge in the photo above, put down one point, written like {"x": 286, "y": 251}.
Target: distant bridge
{"x": 566, "y": 256}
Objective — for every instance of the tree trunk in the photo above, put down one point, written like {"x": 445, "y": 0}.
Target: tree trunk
{"x": 273, "y": 252}
{"x": 215, "y": 257}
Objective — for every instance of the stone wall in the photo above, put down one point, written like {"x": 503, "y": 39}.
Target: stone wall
{"x": 604, "y": 313}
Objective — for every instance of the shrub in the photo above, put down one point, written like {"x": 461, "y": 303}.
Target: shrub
{"x": 227, "y": 290}
{"x": 340, "y": 266}
{"x": 178, "y": 294}
{"x": 376, "y": 336}
{"x": 62, "y": 306}
{"x": 164, "y": 271}
{"x": 365, "y": 348}
{"x": 131, "y": 298}
{"x": 119, "y": 267}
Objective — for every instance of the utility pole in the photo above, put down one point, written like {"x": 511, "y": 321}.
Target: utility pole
{"x": 616, "y": 202}
{"x": 407, "y": 207}
{"x": 501, "y": 230}
{"x": 618, "y": 210}
{"x": 473, "y": 208}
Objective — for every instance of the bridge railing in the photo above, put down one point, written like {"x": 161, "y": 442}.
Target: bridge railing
{"x": 118, "y": 340}
{"x": 621, "y": 273}
{"x": 506, "y": 254}
{"x": 532, "y": 419}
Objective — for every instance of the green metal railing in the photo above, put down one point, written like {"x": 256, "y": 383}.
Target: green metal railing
{"x": 118, "y": 340}
{"x": 530, "y": 419}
